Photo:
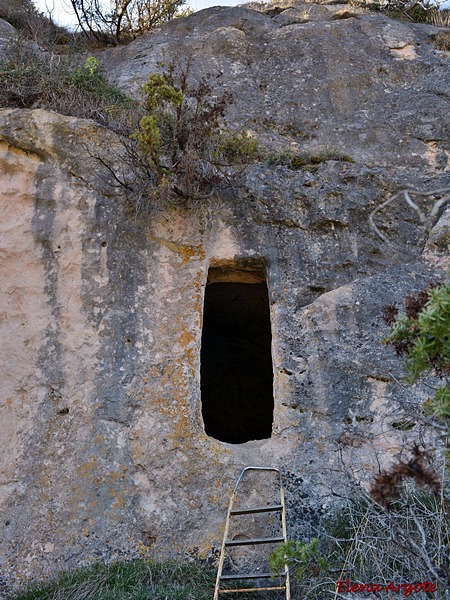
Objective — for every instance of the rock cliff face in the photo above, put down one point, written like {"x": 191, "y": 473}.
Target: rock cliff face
{"x": 367, "y": 85}
{"x": 105, "y": 450}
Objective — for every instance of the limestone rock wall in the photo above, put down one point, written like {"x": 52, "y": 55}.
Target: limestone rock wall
{"x": 307, "y": 78}
{"x": 104, "y": 453}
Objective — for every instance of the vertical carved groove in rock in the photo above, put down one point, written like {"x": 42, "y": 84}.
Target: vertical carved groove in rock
{"x": 236, "y": 362}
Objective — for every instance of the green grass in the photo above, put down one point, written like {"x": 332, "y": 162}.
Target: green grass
{"x": 134, "y": 580}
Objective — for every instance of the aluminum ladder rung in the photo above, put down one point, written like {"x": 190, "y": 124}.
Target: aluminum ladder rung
{"x": 277, "y": 588}
{"x": 226, "y": 543}
{"x": 251, "y": 576}
{"x": 275, "y": 540}
{"x": 257, "y": 509}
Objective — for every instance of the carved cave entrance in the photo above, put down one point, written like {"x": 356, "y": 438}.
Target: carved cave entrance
{"x": 236, "y": 361}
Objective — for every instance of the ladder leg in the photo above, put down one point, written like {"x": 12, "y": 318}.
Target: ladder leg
{"x": 222, "y": 550}
{"x": 283, "y": 524}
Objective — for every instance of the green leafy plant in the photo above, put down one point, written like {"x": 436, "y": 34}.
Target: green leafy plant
{"x": 302, "y": 558}
{"x": 422, "y": 335}
{"x": 91, "y": 65}
{"x": 184, "y": 144}
{"x": 162, "y": 103}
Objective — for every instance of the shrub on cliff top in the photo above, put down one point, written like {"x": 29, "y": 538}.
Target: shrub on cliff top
{"x": 32, "y": 24}
{"x": 183, "y": 144}
{"x": 30, "y": 78}
{"x": 122, "y": 20}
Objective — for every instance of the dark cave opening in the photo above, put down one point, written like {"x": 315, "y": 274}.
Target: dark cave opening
{"x": 236, "y": 362}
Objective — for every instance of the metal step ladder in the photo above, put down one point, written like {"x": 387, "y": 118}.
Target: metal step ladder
{"x": 226, "y": 543}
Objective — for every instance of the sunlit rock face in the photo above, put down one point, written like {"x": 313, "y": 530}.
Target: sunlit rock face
{"x": 104, "y": 448}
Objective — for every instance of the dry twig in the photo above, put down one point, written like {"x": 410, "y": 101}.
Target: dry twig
{"x": 427, "y": 221}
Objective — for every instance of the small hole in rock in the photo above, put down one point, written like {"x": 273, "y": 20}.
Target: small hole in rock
{"x": 284, "y": 371}
{"x": 403, "y": 425}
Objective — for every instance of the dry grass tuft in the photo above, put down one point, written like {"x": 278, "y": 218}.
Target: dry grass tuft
{"x": 442, "y": 41}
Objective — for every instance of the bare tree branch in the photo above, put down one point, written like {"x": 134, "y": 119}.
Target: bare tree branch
{"x": 426, "y": 221}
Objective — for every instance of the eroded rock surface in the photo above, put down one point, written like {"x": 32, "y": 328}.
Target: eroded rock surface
{"x": 374, "y": 88}
{"x": 7, "y": 32}
{"x": 105, "y": 453}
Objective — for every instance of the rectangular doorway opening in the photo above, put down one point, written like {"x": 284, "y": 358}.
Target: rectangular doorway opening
{"x": 236, "y": 360}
